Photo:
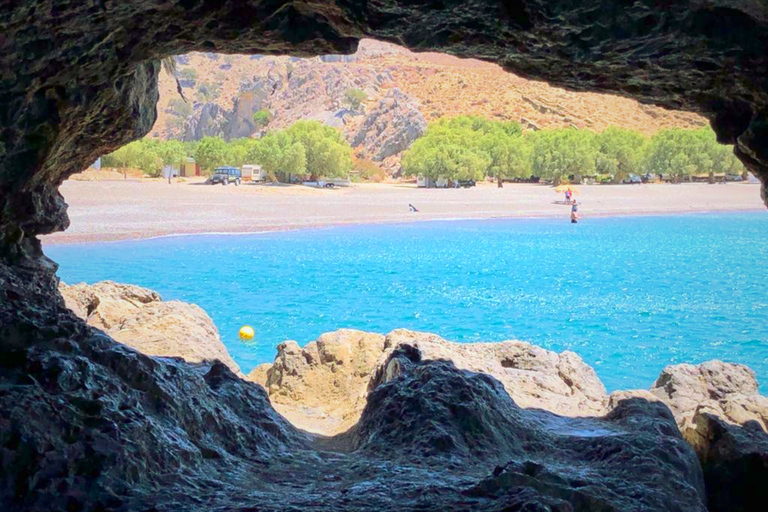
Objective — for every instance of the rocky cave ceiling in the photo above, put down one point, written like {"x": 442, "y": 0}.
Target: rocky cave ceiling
{"x": 79, "y": 79}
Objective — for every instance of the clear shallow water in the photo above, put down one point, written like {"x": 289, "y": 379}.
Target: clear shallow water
{"x": 630, "y": 295}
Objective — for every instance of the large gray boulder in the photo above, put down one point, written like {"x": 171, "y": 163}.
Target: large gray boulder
{"x": 431, "y": 413}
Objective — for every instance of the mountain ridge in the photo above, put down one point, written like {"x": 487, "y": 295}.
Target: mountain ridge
{"x": 404, "y": 90}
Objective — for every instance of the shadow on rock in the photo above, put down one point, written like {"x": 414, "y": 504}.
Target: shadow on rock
{"x": 735, "y": 462}
{"x": 430, "y": 413}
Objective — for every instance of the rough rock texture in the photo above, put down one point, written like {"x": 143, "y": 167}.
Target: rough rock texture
{"x": 209, "y": 120}
{"x": 727, "y": 390}
{"x": 735, "y": 461}
{"x": 432, "y": 411}
{"x": 322, "y": 387}
{"x": 139, "y": 318}
{"x": 89, "y": 424}
{"x": 441, "y": 85}
{"x": 114, "y": 429}
{"x": 391, "y": 127}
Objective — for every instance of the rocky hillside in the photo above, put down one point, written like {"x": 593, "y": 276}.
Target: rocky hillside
{"x": 404, "y": 90}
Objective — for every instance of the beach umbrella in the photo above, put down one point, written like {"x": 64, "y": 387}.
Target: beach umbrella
{"x": 562, "y": 188}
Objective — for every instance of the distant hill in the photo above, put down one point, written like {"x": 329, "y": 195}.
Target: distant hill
{"x": 404, "y": 90}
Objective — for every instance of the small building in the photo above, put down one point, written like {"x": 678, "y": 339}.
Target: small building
{"x": 188, "y": 168}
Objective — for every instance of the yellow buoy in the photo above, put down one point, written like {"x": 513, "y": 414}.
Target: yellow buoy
{"x": 246, "y": 332}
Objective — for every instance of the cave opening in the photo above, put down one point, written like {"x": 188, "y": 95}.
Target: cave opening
{"x": 114, "y": 429}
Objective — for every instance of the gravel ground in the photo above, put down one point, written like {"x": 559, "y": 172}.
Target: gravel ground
{"x": 118, "y": 210}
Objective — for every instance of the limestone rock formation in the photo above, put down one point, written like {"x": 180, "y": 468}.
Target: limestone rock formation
{"x": 391, "y": 127}
{"x": 729, "y": 391}
{"x": 434, "y": 412}
{"x": 322, "y": 387}
{"x": 208, "y": 120}
{"x": 139, "y": 318}
{"x": 735, "y": 462}
{"x": 426, "y": 85}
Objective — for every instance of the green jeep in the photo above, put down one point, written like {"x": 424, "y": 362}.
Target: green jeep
{"x": 225, "y": 176}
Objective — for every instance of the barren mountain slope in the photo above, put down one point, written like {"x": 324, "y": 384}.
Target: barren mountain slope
{"x": 429, "y": 86}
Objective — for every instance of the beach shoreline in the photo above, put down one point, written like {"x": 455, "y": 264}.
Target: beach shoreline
{"x": 111, "y": 211}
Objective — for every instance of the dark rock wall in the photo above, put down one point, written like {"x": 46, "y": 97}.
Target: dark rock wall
{"x": 86, "y": 422}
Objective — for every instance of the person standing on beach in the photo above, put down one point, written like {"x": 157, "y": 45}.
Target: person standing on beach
{"x": 574, "y": 212}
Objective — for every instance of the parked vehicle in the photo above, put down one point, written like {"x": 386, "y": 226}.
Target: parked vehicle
{"x": 329, "y": 183}
{"x": 225, "y": 176}
{"x": 632, "y": 179}
{"x": 466, "y": 183}
{"x": 253, "y": 173}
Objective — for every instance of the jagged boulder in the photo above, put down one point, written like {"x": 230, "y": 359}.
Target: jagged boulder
{"x": 240, "y": 119}
{"x": 434, "y": 414}
{"x": 139, "y": 318}
{"x": 727, "y": 390}
{"x": 322, "y": 387}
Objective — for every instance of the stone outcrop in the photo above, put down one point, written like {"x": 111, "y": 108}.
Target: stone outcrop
{"x": 208, "y": 120}
{"x": 323, "y": 386}
{"x": 139, "y": 318}
{"x": 735, "y": 462}
{"x": 729, "y": 391}
{"x": 433, "y": 425}
{"x": 434, "y": 85}
{"x": 391, "y": 127}
{"x": 433, "y": 412}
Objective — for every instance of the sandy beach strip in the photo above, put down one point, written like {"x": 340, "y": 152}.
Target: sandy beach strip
{"x": 122, "y": 210}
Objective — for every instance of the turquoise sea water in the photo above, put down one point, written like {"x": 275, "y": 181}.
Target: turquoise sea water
{"x": 630, "y": 295}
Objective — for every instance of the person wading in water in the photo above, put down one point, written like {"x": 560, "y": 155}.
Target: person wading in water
{"x": 574, "y": 212}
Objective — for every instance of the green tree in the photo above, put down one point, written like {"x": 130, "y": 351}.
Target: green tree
{"x": 262, "y": 118}
{"x": 679, "y": 153}
{"x": 620, "y": 152}
{"x": 354, "y": 98}
{"x": 563, "y": 152}
{"x": 294, "y": 160}
{"x": 171, "y": 152}
{"x": 211, "y": 152}
{"x": 208, "y": 92}
{"x": 328, "y": 154}
{"x": 510, "y": 155}
{"x": 468, "y": 147}
{"x": 180, "y": 108}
